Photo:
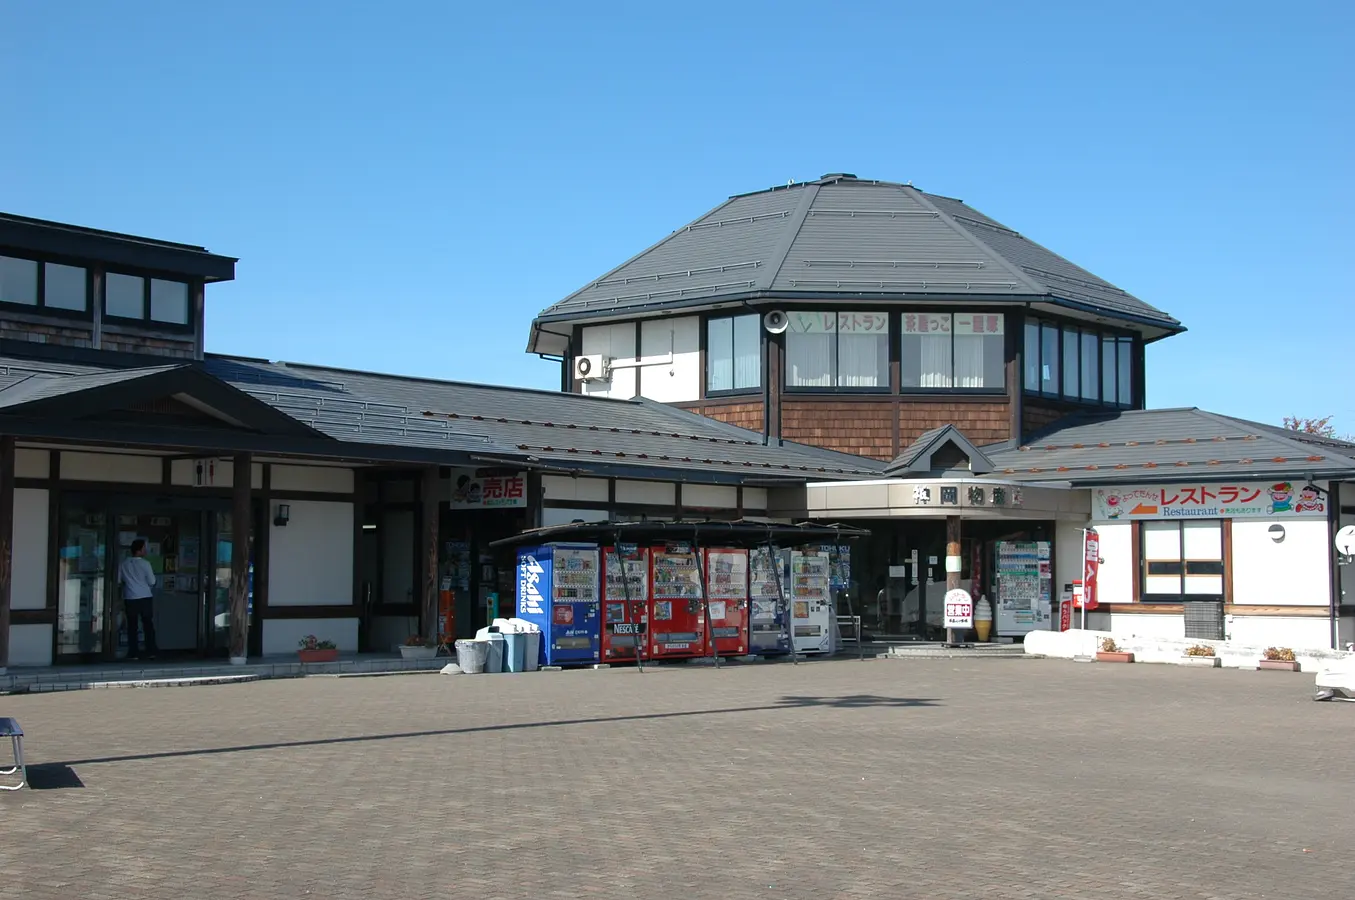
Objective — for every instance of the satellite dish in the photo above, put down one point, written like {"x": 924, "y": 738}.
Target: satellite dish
{"x": 1345, "y": 541}
{"x": 775, "y": 322}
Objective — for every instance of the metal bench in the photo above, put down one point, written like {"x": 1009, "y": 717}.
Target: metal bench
{"x": 10, "y": 728}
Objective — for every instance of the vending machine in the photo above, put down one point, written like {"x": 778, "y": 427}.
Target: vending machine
{"x": 625, "y": 601}
{"x": 558, "y": 591}
{"x": 727, "y": 590}
{"x": 811, "y": 601}
{"x": 677, "y": 626}
{"x": 1024, "y": 582}
{"x": 768, "y": 603}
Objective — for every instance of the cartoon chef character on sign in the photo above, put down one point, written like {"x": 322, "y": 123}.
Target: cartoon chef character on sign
{"x": 1281, "y": 497}
{"x": 1310, "y": 500}
{"x": 1113, "y": 508}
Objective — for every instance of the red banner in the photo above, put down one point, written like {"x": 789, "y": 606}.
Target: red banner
{"x": 1091, "y": 566}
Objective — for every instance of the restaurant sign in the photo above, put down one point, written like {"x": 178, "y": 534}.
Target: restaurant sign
{"x": 471, "y": 490}
{"x": 1246, "y": 500}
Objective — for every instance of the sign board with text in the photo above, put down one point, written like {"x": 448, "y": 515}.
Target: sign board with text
{"x": 959, "y": 609}
{"x": 1259, "y": 499}
{"x": 471, "y": 490}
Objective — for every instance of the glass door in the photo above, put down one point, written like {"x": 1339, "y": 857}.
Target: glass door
{"x": 217, "y": 584}
{"x": 83, "y": 626}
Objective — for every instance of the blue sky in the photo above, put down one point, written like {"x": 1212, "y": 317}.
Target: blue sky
{"x": 407, "y": 183}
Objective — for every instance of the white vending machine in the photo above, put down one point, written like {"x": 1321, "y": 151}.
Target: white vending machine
{"x": 811, "y": 601}
{"x": 1024, "y": 573}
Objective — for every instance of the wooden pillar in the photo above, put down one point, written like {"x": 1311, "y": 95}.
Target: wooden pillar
{"x": 240, "y": 522}
{"x": 430, "y": 502}
{"x": 6, "y": 540}
{"x": 953, "y": 562}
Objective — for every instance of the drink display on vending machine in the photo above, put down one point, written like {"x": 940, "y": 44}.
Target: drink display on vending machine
{"x": 558, "y": 591}
{"x": 676, "y": 618}
{"x": 811, "y": 601}
{"x": 727, "y": 590}
{"x": 768, "y": 603}
{"x": 624, "y": 602}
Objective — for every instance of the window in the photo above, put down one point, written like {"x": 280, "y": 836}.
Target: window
{"x": 135, "y": 297}
{"x": 1182, "y": 559}
{"x": 964, "y": 350}
{"x": 1096, "y": 367}
{"x": 50, "y": 285}
{"x": 733, "y": 353}
{"x": 842, "y": 350}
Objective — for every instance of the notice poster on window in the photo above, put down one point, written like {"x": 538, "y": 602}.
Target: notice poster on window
{"x": 839, "y": 323}
{"x": 926, "y": 323}
{"x": 978, "y": 323}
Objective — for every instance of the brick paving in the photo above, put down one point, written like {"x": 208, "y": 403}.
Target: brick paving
{"x": 884, "y": 779}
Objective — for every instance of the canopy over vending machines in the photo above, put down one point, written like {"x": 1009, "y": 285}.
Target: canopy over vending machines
{"x": 811, "y": 601}
{"x": 677, "y": 626}
{"x": 625, "y": 601}
{"x": 727, "y": 596}
{"x": 558, "y": 591}
{"x": 768, "y": 633}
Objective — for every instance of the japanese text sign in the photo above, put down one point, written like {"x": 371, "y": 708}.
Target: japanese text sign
{"x": 473, "y": 491}
{"x": 1277, "y": 499}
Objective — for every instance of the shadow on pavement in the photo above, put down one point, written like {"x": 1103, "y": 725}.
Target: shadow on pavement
{"x": 53, "y": 777}
{"x": 856, "y": 701}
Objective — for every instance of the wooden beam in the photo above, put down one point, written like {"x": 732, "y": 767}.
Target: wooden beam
{"x": 952, "y": 562}
{"x": 429, "y": 507}
{"x": 240, "y": 520}
{"x": 6, "y": 541}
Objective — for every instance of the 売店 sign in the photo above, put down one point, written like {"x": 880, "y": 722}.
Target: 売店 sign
{"x": 1261, "y": 499}
{"x": 473, "y": 491}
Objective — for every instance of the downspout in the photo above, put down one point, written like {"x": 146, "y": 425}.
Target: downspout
{"x": 1333, "y": 564}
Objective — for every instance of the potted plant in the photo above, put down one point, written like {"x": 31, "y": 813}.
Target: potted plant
{"x": 1111, "y": 652}
{"x": 1201, "y": 655}
{"x": 416, "y": 646}
{"x": 313, "y": 650}
{"x": 1281, "y": 658}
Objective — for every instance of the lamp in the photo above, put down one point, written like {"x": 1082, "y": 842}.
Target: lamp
{"x": 1276, "y": 532}
{"x": 284, "y": 514}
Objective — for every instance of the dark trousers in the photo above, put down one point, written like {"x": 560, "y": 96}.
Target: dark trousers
{"x": 139, "y": 611}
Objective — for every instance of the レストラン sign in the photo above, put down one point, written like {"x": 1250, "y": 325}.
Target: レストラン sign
{"x": 1272, "y": 499}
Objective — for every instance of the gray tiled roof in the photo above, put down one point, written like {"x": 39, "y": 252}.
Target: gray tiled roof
{"x": 844, "y": 236}
{"x": 21, "y": 384}
{"x": 1168, "y": 445}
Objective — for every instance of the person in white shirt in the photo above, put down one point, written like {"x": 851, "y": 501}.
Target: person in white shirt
{"x": 138, "y": 582}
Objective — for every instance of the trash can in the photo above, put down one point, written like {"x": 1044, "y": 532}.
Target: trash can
{"x": 514, "y": 651}
{"x": 533, "y": 650}
{"x": 494, "y": 662}
{"x": 471, "y": 656}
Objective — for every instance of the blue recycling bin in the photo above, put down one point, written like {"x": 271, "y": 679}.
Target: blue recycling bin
{"x": 514, "y": 652}
{"x": 494, "y": 664}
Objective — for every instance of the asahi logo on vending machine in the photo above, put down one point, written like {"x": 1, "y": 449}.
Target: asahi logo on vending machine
{"x": 529, "y": 585}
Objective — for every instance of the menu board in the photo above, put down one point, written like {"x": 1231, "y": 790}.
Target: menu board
{"x": 727, "y": 574}
{"x": 575, "y": 576}
{"x": 809, "y": 576}
{"x": 1023, "y": 586}
{"x": 635, "y": 585}
{"x": 676, "y": 576}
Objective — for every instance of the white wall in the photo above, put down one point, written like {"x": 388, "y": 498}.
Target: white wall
{"x": 1168, "y": 627}
{"x": 1115, "y": 579}
{"x": 551, "y": 516}
{"x": 754, "y": 498}
{"x": 681, "y": 379}
{"x": 32, "y": 463}
{"x": 321, "y": 479}
{"x": 28, "y": 589}
{"x": 1281, "y": 631}
{"x": 714, "y": 496}
{"x": 280, "y": 636}
{"x": 1067, "y": 557}
{"x": 310, "y": 560}
{"x": 110, "y": 467}
{"x": 30, "y": 645}
{"x": 657, "y": 493}
{"x": 1294, "y": 572}
{"x": 618, "y": 342}
{"x": 564, "y": 487}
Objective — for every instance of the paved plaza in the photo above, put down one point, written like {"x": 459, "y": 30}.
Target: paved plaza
{"x": 993, "y": 778}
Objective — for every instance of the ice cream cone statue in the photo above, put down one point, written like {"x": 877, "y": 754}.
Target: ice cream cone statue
{"x": 983, "y": 618}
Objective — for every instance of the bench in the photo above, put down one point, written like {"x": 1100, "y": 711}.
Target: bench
{"x": 10, "y": 728}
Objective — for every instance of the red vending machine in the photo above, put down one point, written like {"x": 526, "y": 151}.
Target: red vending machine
{"x": 727, "y": 588}
{"x": 676, "y": 619}
{"x": 624, "y": 601}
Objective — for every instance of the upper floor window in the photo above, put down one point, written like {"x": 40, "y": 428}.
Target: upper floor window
{"x": 1080, "y": 365}
{"x": 960, "y": 350}
{"x": 837, "y": 350}
{"x": 135, "y": 297}
{"x": 27, "y": 282}
{"x": 733, "y": 353}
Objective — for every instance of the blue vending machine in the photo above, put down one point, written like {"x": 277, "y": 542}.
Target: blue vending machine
{"x": 558, "y": 591}
{"x": 768, "y": 604}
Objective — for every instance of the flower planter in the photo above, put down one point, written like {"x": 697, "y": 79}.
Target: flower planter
{"x": 318, "y": 656}
{"x": 1204, "y": 662}
{"x": 1282, "y": 665}
{"x": 1118, "y": 656}
{"x": 418, "y": 652}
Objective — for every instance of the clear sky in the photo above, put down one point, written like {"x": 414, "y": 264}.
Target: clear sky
{"x": 407, "y": 183}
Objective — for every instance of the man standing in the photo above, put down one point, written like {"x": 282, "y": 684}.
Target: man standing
{"x": 137, "y": 579}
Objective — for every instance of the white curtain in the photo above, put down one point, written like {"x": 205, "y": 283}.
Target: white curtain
{"x": 969, "y": 360}
{"x": 863, "y": 360}
{"x": 809, "y": 359}
{"x": 747, "y": 352}
{"x": 936, "y": 360}
{"x": 719, "y": 358}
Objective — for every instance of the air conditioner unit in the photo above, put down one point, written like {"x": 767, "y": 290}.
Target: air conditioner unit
{"x": 593, "y": 367}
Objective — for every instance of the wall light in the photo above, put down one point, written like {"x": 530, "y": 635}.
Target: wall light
{"x": 284, "y": 515}
{"x": 1276, "y": 533}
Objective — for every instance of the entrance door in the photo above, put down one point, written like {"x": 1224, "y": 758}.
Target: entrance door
{"x": 216, "y": 596}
